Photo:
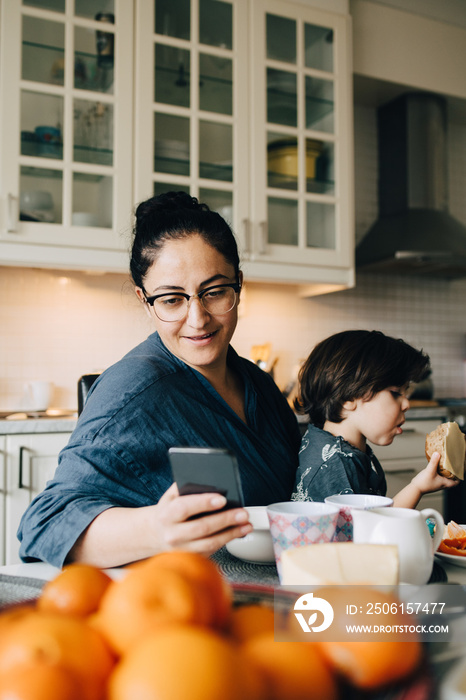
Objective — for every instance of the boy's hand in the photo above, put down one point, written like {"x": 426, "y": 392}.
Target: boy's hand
{"x": 430, "y": 480}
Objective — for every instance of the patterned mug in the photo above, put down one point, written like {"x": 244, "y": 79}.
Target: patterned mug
{"x": 297, "y": 523}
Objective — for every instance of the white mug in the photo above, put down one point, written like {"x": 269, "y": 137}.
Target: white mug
{"x": 348, "y": 502}
{"x": 39, "y": 395}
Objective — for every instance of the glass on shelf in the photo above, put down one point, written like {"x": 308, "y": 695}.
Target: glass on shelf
{"x": 92, "y": 70}
{"x": 318, "y": 47}
{"x": 54, "y": 5}
{"x": 319, "y": 104}
{"x": 45, "y": 139}
{"x": 320, "y": 225}
{"x": 87, "y": 8}
{"x": 215, "y": 84}
{"x": 216, "y": 23}
{"x": 171, "y": 145}
{"x": 93, "y": 132}
{"x": 43, "y": 51}
{"x": 215, "y": 151}
{"x": 221, "y": 202}
{"x": 172, "y": 75}
{"x": 323, "y": 179}
{"x": 282, "y": 103}
{"x": 162, "y": 187}
{"x": 173, "y": 18}
{"x": 283, "y": 221}
{"x": 281, "y": 38}
{"x": 41, "y": 198}
{"x": 92, "y": 200}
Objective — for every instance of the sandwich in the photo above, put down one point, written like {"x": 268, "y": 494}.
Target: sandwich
{"x": 448, "y": 440}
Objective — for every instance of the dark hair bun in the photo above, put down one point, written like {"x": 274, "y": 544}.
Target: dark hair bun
{"x": 169, "y": 202}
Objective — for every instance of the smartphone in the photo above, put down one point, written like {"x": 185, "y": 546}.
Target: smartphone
{"x": 207, "y": 469}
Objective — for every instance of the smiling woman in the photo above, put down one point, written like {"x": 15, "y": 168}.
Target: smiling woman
{"x": 112, "y": 500}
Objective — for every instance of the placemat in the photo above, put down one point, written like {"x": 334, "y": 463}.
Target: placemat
{"x": 239, "y": 571}
{"x": 15, "y": 589}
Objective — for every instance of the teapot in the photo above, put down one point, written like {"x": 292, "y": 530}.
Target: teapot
{"x": 407, "y": 528}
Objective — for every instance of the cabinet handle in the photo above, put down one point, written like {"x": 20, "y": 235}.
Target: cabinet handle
{"x": 13, "y": 213}
{"x": 22, "y": 450}
{"x": 263, "y": 237}
{"x": 247, "y": 236}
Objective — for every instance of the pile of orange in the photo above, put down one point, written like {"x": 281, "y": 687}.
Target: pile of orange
{"x": 168, "y": 630}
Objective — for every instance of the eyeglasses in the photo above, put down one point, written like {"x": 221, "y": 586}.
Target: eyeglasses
{"x": 174, "y": 306}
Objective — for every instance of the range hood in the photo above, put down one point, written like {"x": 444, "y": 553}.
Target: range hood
{"x": 414, "y": 234}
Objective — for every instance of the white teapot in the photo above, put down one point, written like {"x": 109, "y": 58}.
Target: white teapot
{"x": 406, "y": 528}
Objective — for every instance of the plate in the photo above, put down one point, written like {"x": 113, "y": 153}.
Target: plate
{"x": 454, "y": 559}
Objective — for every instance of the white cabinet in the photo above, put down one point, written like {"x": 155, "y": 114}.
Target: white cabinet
{"x": 28, "y": 462}
{"x": 66, "y": 125}
{"x": 247, "y": 104}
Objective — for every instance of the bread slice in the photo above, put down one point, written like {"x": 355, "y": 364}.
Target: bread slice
{"x": 450, "y": 442}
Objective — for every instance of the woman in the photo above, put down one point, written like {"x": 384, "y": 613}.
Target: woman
{"x": 112, "y": 500}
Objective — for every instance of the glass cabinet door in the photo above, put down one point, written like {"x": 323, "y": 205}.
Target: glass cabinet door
{"x": 301, "y": 134}
{"x": 190, "y": 120}
{"x": 66, "y": 155}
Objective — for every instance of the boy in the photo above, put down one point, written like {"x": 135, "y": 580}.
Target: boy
{"x": 353, "y": 386}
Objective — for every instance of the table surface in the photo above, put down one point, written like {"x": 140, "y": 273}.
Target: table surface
{"x": 233, "y": 569}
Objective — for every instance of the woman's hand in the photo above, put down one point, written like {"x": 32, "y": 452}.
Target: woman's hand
{"x": 119, "y": 536}
{"x": 205, "y": 534}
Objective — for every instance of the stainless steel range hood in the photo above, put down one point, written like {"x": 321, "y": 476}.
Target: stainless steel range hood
{"x": 414, "y": 234}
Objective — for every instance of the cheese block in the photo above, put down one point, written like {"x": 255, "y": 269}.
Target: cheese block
{"x": 340, "y": 563}
{"x": 450, "y": 442}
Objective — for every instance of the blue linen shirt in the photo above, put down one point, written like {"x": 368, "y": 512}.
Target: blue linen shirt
{"x": 117, "y": 455}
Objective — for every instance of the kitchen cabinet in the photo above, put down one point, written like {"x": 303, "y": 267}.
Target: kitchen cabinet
{"x": 247, "y": 105}
{"x": 66, "y": 124}
{"x": 28, "y": 462}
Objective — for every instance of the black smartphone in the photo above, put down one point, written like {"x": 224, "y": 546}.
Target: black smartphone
{"x": 205, "y": 470}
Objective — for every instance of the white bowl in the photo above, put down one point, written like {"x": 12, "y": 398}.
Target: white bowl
{"x": 359, "y": 501}
{"x": 257, "y": 547}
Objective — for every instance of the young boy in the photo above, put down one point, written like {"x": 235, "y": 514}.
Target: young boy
{"x": 353, "y": 386}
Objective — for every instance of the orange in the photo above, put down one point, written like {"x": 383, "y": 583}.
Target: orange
{"x": 249, "y": 620}
{"x": 76, "y": 590}
{"x": 148, "y": 597}
{"x": 370, "y": 665}
{"x": 292, "y": 670}
{"x": 206, "y": 576}
{"x": 369, "y": 662}
{"x": 184, "y": 663}
{"x": 38, "y": 681}
{"x": 61, "y": 641}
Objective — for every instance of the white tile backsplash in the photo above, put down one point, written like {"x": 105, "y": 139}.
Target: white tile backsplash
{"x": 58, "y": 325}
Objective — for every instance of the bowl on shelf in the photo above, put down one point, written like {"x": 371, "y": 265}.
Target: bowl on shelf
{"x": 282, "y": 157}
{"x": 49, "y": 140}
{"x": 257, "y": 546}
{"x": 36, "y": 205}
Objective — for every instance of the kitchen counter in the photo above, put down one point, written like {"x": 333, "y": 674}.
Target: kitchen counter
{"x": 38, "y": 425}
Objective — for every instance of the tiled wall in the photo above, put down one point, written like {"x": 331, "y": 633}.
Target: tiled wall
{"x": 57, "y": 326}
